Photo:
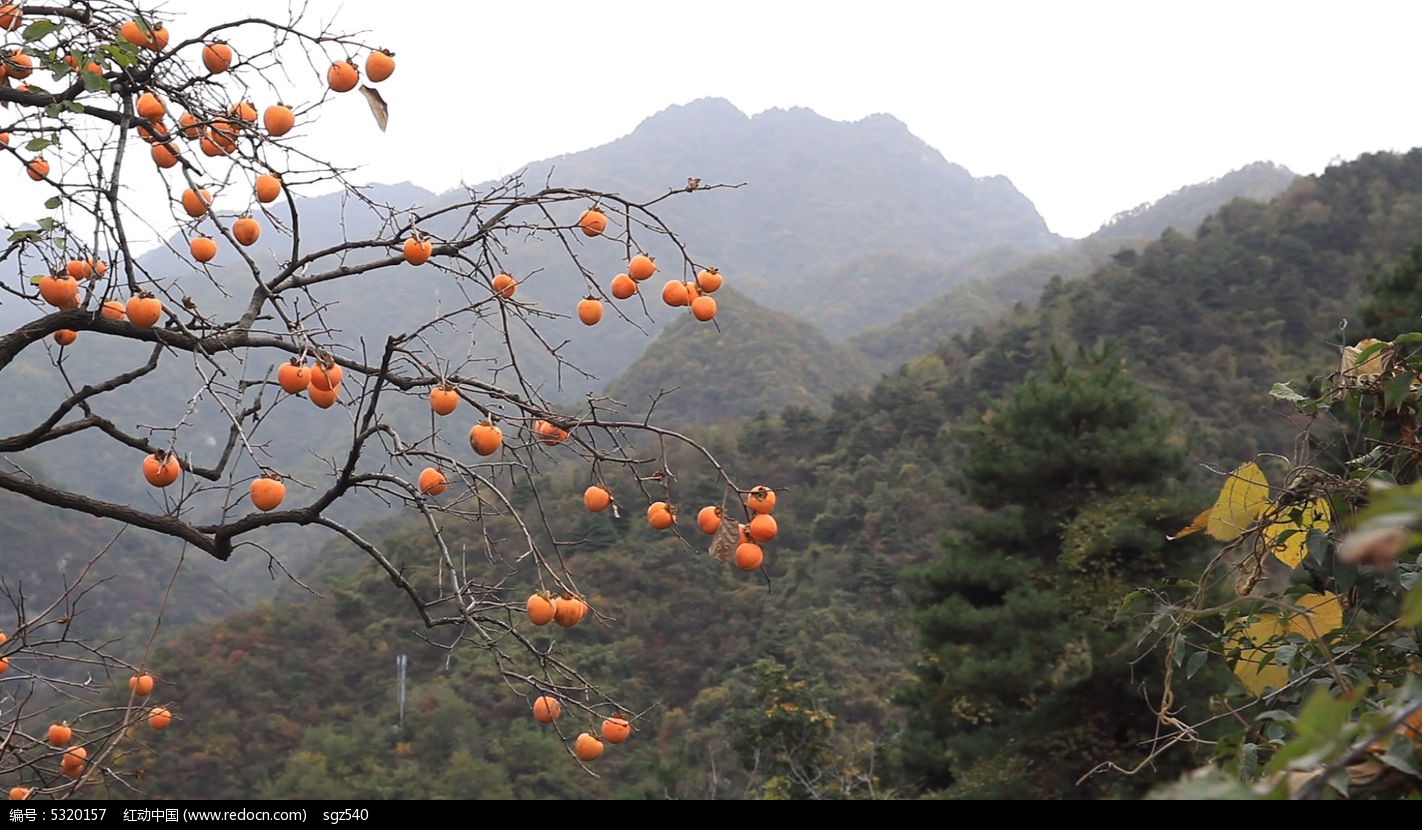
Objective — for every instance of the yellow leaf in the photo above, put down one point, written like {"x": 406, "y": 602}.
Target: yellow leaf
{"x": 1196, "y": 525}
{"x": 1243, "y": 497}
{"x": 1319, "y": 614}
{"x": 1314, "y": 616}
{"x": 1292, "y": 548}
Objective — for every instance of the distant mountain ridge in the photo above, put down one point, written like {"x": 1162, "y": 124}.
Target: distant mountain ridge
{"x": 983, "y": 293}
{"x": 818, "y": 193}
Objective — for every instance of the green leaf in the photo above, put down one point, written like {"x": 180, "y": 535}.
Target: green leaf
{"x": 1284, "y": 393}
{"x": 1322, "y": 716}
{"x": 46, "y": 223}
{"x": 94, "y": 82}
{"x": 1396, "y": 391}
{"x": 1195, "y": 663}
{"x": 1409, "y": 337}
{"x": 1367, "y": 353}
{"x": 122, "y": 53}
{"x": 18, "y": 236}
{"x": 35, "y": 280}
{"x": 39, "y": 29}
{"x": 1399, "y": 756}
{"x": 36, "y": 144}
{"x": 1412, "y": 607}
{"x": 53, "y": 202}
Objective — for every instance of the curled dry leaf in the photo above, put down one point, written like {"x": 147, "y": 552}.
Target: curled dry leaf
{"x": 378, "y": 107}
{"x": 728, "y": 536}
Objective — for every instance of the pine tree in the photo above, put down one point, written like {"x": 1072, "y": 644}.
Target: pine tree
{"x": 1022, "y": 685}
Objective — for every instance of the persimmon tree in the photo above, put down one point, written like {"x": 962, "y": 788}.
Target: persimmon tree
{"x": 264, "y": 371}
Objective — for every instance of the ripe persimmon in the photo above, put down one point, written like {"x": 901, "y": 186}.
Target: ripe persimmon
{"x": 243, "y": 111}
{"x": 342, "y": 76}
{"x": 153, "y": 133}
{"x": 762, "y": 527}
{"x": 196, "y": 202}
{"x": 541, "y": 608}
{"x": 268, "y": 187}
{"x": 73, "y": 761}
{"x": 10, "y": 17}
{"x": 141, "y": 684}
{"x": 417, "y": 250}
{"x": 161, "y": 469}
{"x": 212, "y": 144}
{"x": 60, "y": 291}
{"x": 113, "y": 310}
{"x": 661, "y": 515}
{"x": 159, "y": 717}
{"x": 203, "y": 249}
{"x": 749, "y": 556}
{"x": 593, "y": 222}
{"x": 217, "y": 57}
{"x": 708, "y": 519}
{"x": 150, "y": 106}
{"x": 587, "y": 747}
{"x": 616, "y": 729}
{"x": 760, "y": 499}
{"x": 267, "y": 492}
{"x": 153, "y": 37}
{"x": 674, "y": 293}
{"x": 246, "y": 230}
{"x": 485, "y": 438}
{"x": 708, "y": 280}
{"x": 569, "y": 610}
{"x": 641, "y": 267}
{"x": 59, "y": 734}
{"x": 37, "y": 168}
{"x": 549, "y": 432}
{"x": 144, "y": 310}
{"x": 293, "y": 376}
{"x": 65, "y": 336}
{"x": 590, "y": 310}
{"x": 596, "y": 498}
{"x": 278, "y": 119}
{"x": 444, "y": 399}
{"x": 703, "y": 308}
{"x": 504, "y": 285}
{"x": 165, "y": 155}
{"x": 546, "y": 709}
{"x": 379, "y": 65}
{"x": 188, "y": 125}
{"x": 324, "y": 398}
{"x": 18, "y": 64}
{"x": 19, "y": 793}
{"x": 326, "y": 375}
{"x": 432, "y": 481}
{"x": 623, "y": 286}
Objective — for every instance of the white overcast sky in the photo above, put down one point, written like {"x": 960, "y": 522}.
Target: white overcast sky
{"x": 1088, "y": 107}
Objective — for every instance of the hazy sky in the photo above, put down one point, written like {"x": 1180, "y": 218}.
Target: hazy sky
{"x": 1088, "y": 107}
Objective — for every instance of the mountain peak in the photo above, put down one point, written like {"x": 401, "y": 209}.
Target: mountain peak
{"x": 699, "y": 114}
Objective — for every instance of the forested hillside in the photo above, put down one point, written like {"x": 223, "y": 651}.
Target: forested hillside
{"x": 780, "y": 683}
{"x": 989, "y": 289}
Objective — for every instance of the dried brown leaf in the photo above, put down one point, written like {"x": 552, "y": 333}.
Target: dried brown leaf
{"x": 723, "y": 544}
{"x": 378, "y": 107}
